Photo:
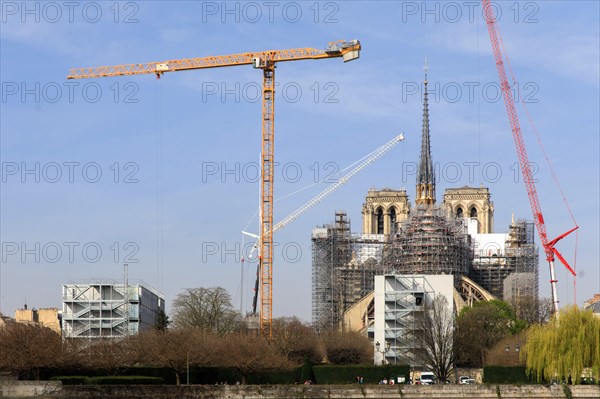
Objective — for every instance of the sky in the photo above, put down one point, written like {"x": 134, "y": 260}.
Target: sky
{"x": 162, "y": 174}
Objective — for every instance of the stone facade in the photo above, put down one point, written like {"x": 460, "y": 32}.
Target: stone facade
{"x": 383, "y": 209}
{"x": 471, "y": 202}
{"x": 47, "y": 317}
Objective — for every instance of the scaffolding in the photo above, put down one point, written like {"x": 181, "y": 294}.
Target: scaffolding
{"x": 402, "y": 300}
{"x": 429, "y": 243}
{"x": 343, "y": 269}
{"x": 512, "y": 271}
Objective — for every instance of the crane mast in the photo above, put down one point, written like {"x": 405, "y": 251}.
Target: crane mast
{"x": 526, "y": 170}
{"x": 265, "y": 60}
{"x": 369, "y": 159}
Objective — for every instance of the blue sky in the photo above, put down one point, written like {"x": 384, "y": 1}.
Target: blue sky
{"x": 161, "y": 173}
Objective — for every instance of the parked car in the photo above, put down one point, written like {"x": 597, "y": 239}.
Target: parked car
{"x": 465, "y": 380}
{"x": 427, "y": 378}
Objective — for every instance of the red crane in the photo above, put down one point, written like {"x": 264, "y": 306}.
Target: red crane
{"x": 513, "y": 118}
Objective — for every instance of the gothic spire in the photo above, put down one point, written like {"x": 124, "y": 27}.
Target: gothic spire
{"x": 426, "y": 175}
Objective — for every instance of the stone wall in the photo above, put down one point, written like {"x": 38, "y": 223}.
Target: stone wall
{"x": 30, "y": 389}
{"x": 46, "y": 390}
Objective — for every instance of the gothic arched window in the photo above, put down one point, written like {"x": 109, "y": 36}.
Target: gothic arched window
{"x": 393, "y": 221}
{"x": 459, "y": 212}
{"x": 379, "y": 221}
{"x": 473, "y": 212}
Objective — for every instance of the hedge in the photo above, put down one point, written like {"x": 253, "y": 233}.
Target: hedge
{"x": 124, "y": 380}
{"x": 505, "y": 375}
{"x": 108, "y": 380}
{"x": 276, "y": 377}
{"x": 70, "y": 379}
{"x": 347, "y": 374}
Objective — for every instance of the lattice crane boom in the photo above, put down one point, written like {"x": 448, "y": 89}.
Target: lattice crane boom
{"x": 347, "y": 49}
{"x": 375, "y": 155}
{"x": 526, "y": 170}
{"x": 265, "y": 60}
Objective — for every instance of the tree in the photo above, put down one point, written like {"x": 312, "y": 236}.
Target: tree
{"x": 111, "y": 355}
{"x": 546, "y": 307}
{"x": 434, "y": 330}
{"x": 480, "y": 327}
{"x": 531, "y": 309}
{"x": 29, "y": 348}
{"x": 347, "y": 348}
{"x": 250, "y": 354}
{"x": 178, "y": 349}
{"x": 297, "y": 341}
{"x": 162, "y": 321}
{"x": 565, "y": 346}
{"x": 208, "y": 309}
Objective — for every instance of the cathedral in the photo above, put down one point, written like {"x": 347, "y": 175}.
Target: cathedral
{"x": 455, "y": 237}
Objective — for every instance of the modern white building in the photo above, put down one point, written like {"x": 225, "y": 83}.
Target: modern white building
{"x": 107, "y": 309}
{"x": 399, "y": 300}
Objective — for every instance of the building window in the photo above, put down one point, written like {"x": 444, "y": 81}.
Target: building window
{"x": 459, "y": 212}
{"x": 473, "y": 212}
{"x": 393, "y": 221}
{"x": 380, "y": 221}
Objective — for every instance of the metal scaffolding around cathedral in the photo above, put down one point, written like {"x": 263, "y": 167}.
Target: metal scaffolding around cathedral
{"x": 429, "y": 243}
{"x": 453, "y": 238}
{"x": 344, "y": 268}
{"x": 508, "y": 269}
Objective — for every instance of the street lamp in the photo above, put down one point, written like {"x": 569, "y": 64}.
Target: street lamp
{"x": 387, "y": 348}
{"x": 517, "y": 350}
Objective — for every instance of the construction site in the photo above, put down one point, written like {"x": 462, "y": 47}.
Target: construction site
{"x": 428, "y": 235}
{"x": 423, "y": 240}
{"x": 429, "y": 243}
{"x": 344, "y": 268}
{"x": 512, "y": 272}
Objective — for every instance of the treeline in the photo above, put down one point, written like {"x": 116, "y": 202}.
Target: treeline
{"x": 28, "y": 350}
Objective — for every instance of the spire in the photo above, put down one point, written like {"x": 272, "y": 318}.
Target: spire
{"x": 426, "y": 175}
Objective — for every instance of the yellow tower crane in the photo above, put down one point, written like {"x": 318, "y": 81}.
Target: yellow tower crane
{"x": 265, "y": 60}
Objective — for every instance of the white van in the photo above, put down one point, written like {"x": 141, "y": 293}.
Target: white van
{"x": 427, "y": 378}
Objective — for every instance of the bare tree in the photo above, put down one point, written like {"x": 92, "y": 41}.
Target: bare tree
{"x": 532, "y": 310}
{"x": 546, "y": 308}
{"x": 297, "y": 341}
{"x": 348, "y": 347}
{"x": 208, "y": 309}
{"x": 28, "y": 348}
{"x": 433, "y": 335}
{"x": 250, "y": 354}
{"x": 178, "y": 349}
{"x": 112, "y": 355}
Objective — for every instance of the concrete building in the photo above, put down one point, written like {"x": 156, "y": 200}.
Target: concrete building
{"x": 399, "y": 302}
{"x": 107, "y": 309}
